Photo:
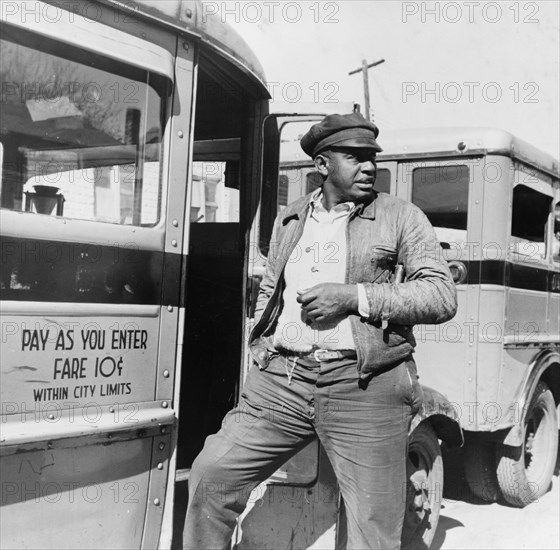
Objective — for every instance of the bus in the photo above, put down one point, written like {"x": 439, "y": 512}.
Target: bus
{"x": 137, "y": 163}
{"x": 494, "y": 201}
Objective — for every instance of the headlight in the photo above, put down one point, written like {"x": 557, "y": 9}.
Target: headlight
{"x": 458, "y": 272}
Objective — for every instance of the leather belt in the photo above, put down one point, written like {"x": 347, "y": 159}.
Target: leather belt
{"x": 322, "y": 355}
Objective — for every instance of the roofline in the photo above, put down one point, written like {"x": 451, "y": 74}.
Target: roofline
{"x": 423, "y": 143}
{"x": 186, "y": 17}
{"x": 464, "y": 141}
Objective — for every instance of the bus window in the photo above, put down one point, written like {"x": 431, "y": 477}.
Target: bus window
{"x": 530, "y": 212}
{"x": 295, "y": 182}
{"x": 215, "y": 193}
{"x": 442, "y": 192}
{"x": 556, "y": 233}
{"x": 383, "y": 180}
{"x": 81, "y": 134}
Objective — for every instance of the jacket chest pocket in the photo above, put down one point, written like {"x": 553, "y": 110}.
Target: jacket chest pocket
{"x": 382, "y": 261}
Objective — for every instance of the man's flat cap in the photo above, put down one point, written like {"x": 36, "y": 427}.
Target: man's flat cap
{"x": 351, "y": 130}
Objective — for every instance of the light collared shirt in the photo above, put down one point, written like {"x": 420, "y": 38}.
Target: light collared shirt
{"x": 319, "y": 257}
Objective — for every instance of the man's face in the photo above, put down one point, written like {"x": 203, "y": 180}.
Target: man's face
{"x": 351, "y": 174}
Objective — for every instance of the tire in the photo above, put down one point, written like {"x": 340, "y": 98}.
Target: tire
{"x": 424, "y": 488}
{"x": 480, "y": 469}
{"x": 525, "y": 472}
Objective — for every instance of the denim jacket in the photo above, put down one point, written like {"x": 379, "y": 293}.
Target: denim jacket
{"x": 386, "y": 232}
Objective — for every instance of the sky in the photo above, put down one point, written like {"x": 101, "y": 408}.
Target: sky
{"x": 474, "y": 63}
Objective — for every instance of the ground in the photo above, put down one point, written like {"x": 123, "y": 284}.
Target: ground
{"x": 469, "y": 523}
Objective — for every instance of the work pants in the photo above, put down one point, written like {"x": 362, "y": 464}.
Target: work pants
{"x": 362, "y": 427}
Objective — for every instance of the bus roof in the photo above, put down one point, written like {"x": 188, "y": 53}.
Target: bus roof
{"x": 189, "y": 16}
{"x": 446, "y": 142}
{"x": 423, "y": 142}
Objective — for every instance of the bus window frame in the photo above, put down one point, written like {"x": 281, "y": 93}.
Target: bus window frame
{"x": 473, "y": 231}
{"x": 545, "y": 186}
{"x": 96, "y": 38}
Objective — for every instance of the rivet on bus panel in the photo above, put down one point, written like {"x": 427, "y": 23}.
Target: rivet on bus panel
{"x": 166, "y": 374}
{"x": 111, "y": 409}
{"x": 161, "y": 446}
{"x": 173, "y": 242}
{"x": 188, "y": 13}
{"x": 175, "y": 223}
{"x": 163, "y": 429}
{"x": 160, "y": 466}
{"x": 156, "y": 501}
{"x": 180, "y": 133}
{"x": 169, "y": 308}
{"x": 165, "y": 404}
{"x": 50, "y": 416}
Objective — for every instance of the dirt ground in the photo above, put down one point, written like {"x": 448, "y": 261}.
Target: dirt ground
{"x": 470, "y": 523}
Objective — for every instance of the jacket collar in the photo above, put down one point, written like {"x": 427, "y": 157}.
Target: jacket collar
{"x": 299, "y": 209}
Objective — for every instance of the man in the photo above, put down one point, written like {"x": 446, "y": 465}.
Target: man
{"x": 332, "y": 347}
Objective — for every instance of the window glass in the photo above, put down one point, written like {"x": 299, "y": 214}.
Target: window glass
{"x": 442, "y": 192}
{"x": 556, "y": 232}
{"x": 215, "y": 192}
{"x": 383, "y": 180}
{"x": 81, "y": 133}
{"x": 529, "y": 217}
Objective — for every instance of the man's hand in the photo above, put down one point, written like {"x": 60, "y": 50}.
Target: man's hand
{"x": 326, "y": 301}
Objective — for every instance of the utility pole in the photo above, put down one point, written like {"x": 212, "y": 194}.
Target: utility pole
{"x": 364, "y": 70}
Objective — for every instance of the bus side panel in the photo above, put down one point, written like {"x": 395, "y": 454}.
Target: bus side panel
{"x": 442, "y": 351}
{"x": 63, "y": 497}
{"x": 492, "y": 403}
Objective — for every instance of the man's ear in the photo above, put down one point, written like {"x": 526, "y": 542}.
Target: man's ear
{"x": 322, "y": 164}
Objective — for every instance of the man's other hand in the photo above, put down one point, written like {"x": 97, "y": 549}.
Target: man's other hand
{"x": 327, "y": 301}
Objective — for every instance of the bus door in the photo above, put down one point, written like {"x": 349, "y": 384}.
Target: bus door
{"x": 529, "y": 303}
{"x": 450, "y": 192}
{"x": 89, "y": 286}
{"x": 223, "y": 180}
{"x": 554, "y": 288}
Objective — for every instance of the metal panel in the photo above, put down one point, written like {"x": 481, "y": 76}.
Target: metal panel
{"x": 72, "y": 361}
{"x": 65, "y": 498}
{"x": 157, "y": 489}
{"x": 83, "y": 31}
{"x": 172, "y": 318}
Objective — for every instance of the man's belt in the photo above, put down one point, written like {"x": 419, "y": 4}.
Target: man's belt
{"x": 322, "y": 355}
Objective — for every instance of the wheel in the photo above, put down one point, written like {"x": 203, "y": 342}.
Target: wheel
{"x": 424, "y": 488}
{"x": 525, "y": 472}
{"x": 480, "y": 469}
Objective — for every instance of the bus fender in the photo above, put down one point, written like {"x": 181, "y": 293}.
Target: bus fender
{"x": 441, "y": 414}
{"x": 546, "y": 366}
